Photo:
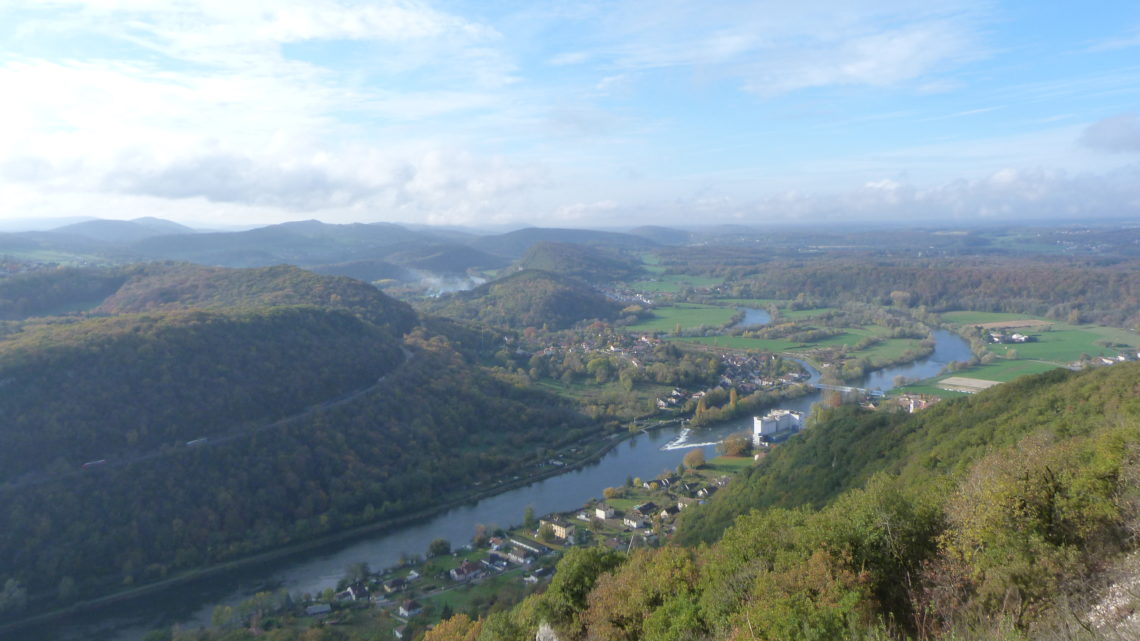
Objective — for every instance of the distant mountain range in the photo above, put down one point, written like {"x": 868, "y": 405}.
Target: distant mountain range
{"x": 313, "y": 244}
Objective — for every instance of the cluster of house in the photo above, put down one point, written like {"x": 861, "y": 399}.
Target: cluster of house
{"x": 1002, "y": 337}
{"x": 745, "y": 372}
{"x": 915, "y": 402}
{"x": 676, "y": 398}
{"x": 1108, "y": 360}
{"x": 627, "y": 296}
{"x": 741, "y": 371}
{"x": 680, "y": 495}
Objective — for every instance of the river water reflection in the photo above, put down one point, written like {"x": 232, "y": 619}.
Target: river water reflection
{"x": 644, "y": 455}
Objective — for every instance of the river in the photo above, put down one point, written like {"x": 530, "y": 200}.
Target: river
{"x": 644, "y": 455}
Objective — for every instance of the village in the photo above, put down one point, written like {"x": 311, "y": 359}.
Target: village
{"x": 497, "y": 564}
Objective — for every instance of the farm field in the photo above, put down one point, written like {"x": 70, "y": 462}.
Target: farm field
{"x": 652, "y": 264}
{"x": 889, "y": 350}
{"x": 977, "y": 318}
{"x": 1066, "y": 343}
{"x": 687, "y": 315}
{"x": 673, "y": 283}
{"x": 800, "y": 314}
{"x": 1002, "y": 371}
{"x": 745, "y": 343}
{"x": 849, "y": 337}
{"x": 758, "y": 303}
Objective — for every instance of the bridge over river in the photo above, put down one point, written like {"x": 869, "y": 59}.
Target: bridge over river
{"x": 844, "y": 388}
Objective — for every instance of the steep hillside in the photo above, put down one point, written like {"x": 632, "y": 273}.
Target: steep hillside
{"x": 175, "y": 286}
{"x": 215, "y": 413}
{"x": 589, "y": 264}
{"x": 56, "y": 291}
{"x": 112, "y": 387}
{"x": 990, "y": 518}
{"x": 851, "y": 445}
{"x": 525, "y": 299}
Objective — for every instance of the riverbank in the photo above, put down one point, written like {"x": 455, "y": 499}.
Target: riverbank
{"x": 640, "y": 453}
{"x": 598, "y": 448}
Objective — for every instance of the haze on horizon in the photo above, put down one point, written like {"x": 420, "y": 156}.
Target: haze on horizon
{"x": 213, "y": 112}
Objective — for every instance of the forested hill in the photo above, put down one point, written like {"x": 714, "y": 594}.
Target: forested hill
{"x": 529, "y": 298}
{"x": 1105, "y": 291}
{"x": 1000, "y": 516}
{"x": 169, "y": 286}
{"x": 851, "y": 445}
{"x": 201, "y": 415}
{"x": 106, "y": 388}
{"x": 51, "y": 292}
{"x": 590, "y": 264}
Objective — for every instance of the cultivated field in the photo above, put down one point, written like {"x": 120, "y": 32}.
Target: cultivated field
{"x": 687, "y": 315}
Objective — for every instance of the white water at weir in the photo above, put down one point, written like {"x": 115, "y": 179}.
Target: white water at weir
{"x": 681, "y": 442}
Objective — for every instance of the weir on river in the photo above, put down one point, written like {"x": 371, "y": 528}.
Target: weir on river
{"x": 645, "y": 455}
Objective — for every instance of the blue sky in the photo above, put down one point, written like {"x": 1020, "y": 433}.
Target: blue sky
{"x": 610, "y": 113}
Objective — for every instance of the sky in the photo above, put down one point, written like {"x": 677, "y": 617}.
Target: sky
{"x": 571, "y": 113}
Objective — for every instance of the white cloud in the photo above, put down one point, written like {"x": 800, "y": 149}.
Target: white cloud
{"x": 774, "y": 49}
{"x": 1115, "y": 134}
{"x": 878, "y": 60}
{"x": 390, "y": 21}
{"x": 1007, "y": 194}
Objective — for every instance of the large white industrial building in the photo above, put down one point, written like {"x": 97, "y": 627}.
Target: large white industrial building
{"x": 775, "y": 423}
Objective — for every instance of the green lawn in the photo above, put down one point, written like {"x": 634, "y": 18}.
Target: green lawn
{"x": 1063, "y": 345}
{"x": 744, "y": 343}
{"x": 785, "y": 314}
{"x": 978, "y": 318}
{"x": 758, "y": 303}
{"x": 928, "y": 389}
{"x": 1113, "y": 334}
{"x": 889, "y": 350}
{"x": 727, "y": 465}
{"x": 462, "y": 598}
{"x": 673, "y": 283}
{"x": 800, "y": 314}
{"x": 687, "y": 315}
{"x": 652, "y": 263}
{"x": 1003, "y": 371}
{"x": 849, "y": 337}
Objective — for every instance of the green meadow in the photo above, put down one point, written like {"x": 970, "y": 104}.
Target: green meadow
{"x": 1066, "y": 343}
{"x": 687, "y": 315}
{"x": 978, "y": 318}
{"x": 673, "y": 283}
{"x": 744, "y": 343}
